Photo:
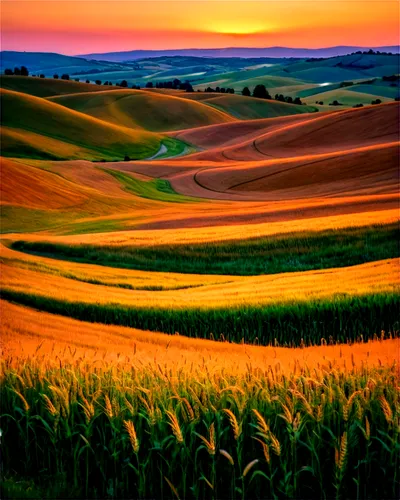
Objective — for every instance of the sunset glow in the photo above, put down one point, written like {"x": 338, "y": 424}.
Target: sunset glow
{"x": 80, "y": 27}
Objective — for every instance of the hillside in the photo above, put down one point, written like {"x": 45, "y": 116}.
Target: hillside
{"x": 50, "y": 63}
{"x": 291, "y": 77}
{"x": 35, "y": 127}
{"x": 233, "y": 52}
{"x": 250, "y": 108}
{"x": 145, "y": 110}
{"x": 46, "y": 87}
{"x": 318, "y": 133}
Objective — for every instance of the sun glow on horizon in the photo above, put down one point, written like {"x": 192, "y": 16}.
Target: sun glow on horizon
{"x": 239, "y": 28}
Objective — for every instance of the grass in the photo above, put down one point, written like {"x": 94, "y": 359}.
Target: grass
{"x": 53, "y": 131}
{"x": 267, "y": 255}
{"x": 46, "y": 87}
{"x": 246, "y": 108}
{"x": 139, "y": 109}
{"x": 155, "y": 189}
{"x": 40, "y": 266}
{"x": 16, "y": 219}
{"x": 339, "y": 318}
{"x": 129, "y": 430}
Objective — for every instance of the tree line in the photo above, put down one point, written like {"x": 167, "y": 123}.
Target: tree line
{"x": 22, "y": 71}
{"x": 261, "y": 92}
{"x": 175, "y": 84}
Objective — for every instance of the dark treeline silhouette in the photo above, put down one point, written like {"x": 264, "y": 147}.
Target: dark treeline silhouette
{"x": 391, "y": 78}
{"x": 288, "y": 99}
{"x": 359, "y": 52}
{"x": 262, "y": 93}
{"x": 220, "y": 90}
{"x": 175, "y": 84}
{"x": 22, "y": 71}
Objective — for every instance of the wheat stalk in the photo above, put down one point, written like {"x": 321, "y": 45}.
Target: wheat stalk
{"x": 130, "y": 429}
{"x": 234, "y": 423}
{"x": 174, "y": 424}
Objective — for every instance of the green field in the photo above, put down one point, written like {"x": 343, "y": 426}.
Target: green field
{"x": 291, "y": 324}
{"x": 276, "y": 254}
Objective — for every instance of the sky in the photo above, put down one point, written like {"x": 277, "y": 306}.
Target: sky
{"x": 87, "y": 26}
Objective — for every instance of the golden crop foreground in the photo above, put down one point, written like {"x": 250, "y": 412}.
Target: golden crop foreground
{"x": 136, "y": 428}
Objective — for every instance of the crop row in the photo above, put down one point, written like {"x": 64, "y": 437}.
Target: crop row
{"x": 267, "y": 255}
{"x": 335, "y": 320}
{"x": 145, "y": 432}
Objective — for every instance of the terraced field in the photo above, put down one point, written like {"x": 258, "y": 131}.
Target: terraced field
{"x": 198, "y": 290}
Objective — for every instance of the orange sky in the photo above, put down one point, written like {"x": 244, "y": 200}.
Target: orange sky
{"x": 76, "y": 27}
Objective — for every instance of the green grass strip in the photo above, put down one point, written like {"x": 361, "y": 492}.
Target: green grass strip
{"x": 338, "y": 319}
{"x": 295, "y": 252}
{"x": 155, "y": 189}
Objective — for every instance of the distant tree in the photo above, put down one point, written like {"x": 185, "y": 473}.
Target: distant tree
{"x": 106, "y": 82}
{"x": 55, "y": 76}
{"x": 127, "y": 158}
{"x": 87, "y": 81}
{"x": 377, "y": 101}
{"x": 98, "y": 82}
{"x": 397, "y": 98}
{"x": 65, "y": 76}
{"x": 280, "y": 97}
{"x": 8, "y": 71}
{"x": 77, "y": 79}
{"x": 289, "y": 99}
{"x": 187, "y": 86}
{"x": 175, "y": 83}
{"x": 149, "y": 85}
{"x": 24, "y": 71}
{"x": 124, "y": 83}
{"x": 346, "y": 84}
{"x": 335, "y": 103}
{"x": 42, "y": 75}
{"x": 297, "y": 101}
{"x": 222, "y": 90}
{"x": 261, "y": 92}
{"x": 17, "y": 71}
{"x": 358, "y": 105}
{"x": 209, "y": 89}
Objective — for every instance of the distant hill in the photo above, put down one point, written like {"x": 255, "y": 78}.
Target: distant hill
{"x": 49, "y": 63}
{"x": 276, "y": 52}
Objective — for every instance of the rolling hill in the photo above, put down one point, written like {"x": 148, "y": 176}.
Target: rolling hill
{"x": 50, "y": 63}
{"x": 250, "y": 108}
{"x": 35, "y": 127}
{"x": 46, "y": 87}
{"x": 145, "y": 110}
